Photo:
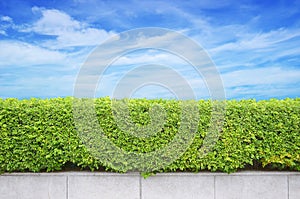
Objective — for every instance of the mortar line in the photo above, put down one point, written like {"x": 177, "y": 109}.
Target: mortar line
{"x": 67, "y": 187}
{"x": 288, "y": 186}
{"x": 215, "y": 187}
{"x": 140, "y": 185}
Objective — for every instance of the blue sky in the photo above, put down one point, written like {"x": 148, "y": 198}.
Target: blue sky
{"x": 255, "y": 45}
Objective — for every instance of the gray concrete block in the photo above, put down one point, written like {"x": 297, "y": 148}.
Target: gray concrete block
{"x": 89, "y": 185}
{"x": 251, "y": 186}
{"x": 114, "y": 186}
{"x": 32, "y": 187}
{"x": 178, "y": 186}
{"x": 294, "y": 187}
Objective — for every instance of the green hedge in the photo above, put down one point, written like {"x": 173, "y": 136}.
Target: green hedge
{"x": 40, "y": 135}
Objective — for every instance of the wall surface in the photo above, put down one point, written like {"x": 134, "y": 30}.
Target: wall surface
{"x": 92, "y": 185}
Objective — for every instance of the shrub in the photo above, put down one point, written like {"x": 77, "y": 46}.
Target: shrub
{"x": 40, "y": 135}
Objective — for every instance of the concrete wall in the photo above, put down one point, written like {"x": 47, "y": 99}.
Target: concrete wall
{"x": 88, "y": 185}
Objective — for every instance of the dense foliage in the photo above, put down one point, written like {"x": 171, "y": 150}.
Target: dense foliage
{"x": 40, "y": 135}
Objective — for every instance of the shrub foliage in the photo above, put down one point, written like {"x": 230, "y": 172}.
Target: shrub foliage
{"x": 40, "y": 135}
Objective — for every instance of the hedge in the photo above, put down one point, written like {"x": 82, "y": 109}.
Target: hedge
{"x": 42, "y": 135}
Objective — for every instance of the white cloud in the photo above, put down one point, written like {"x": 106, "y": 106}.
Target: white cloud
{"x": 68, "y": 31}
{"x": 167, "y": 48}
{"x": 149, "y": 38}
{"x": 17, "y": 53}
{"x": 2, "y": 32}
{"x": 150, "y": 56}
{"x": 270, "y": 81}
{"x": 54, "y": 22}
{"x": 237, "y": 49}
{"x": 267, "y": 49}
{"x": 238, "y": 46}
{"x": 259, "y": 76}
{"x": 38, "y": 86}
{"x": 6, "y": 19}
{"x": 133, "y": 76}
{"x": 6, "y": 22}
{"x": 259, "y": 41}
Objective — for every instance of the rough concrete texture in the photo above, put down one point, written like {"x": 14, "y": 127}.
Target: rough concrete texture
{"x": 92, "y": 185}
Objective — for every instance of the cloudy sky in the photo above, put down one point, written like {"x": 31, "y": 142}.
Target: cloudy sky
{"x": 254, "y": 46}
